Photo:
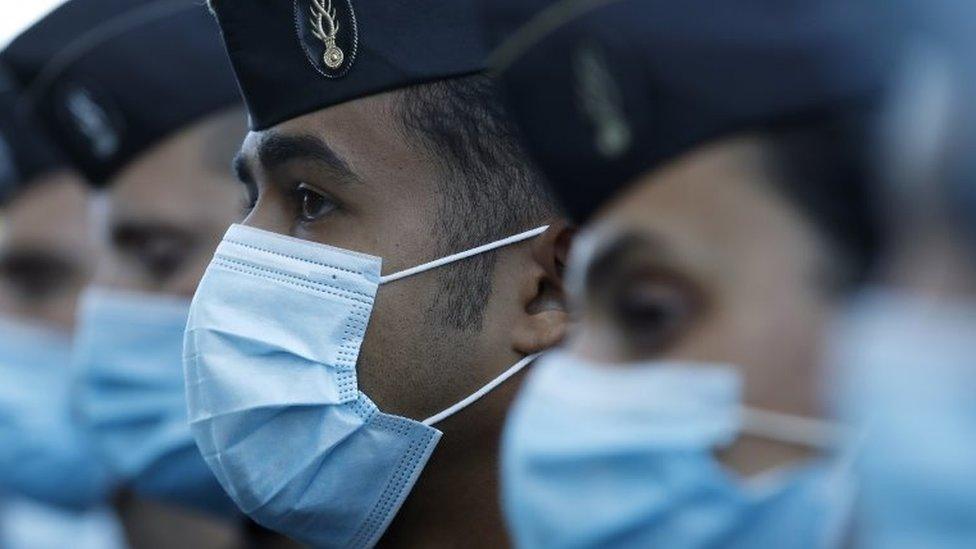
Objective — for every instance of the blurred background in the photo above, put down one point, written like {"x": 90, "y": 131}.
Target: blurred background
{"x": 19, "y": 15}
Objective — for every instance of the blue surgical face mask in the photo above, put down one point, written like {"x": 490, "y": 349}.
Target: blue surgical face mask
{"x": 271, "y": 348}
{"x": 131, "y": 397}
{"x": 24, "y": 524}
{"x": 906, "y": 370}
{"x": 43, "y": 453}
{"x": 621, "y": 455}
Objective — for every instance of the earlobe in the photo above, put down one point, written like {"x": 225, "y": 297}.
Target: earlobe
{"x": 544, "y": 330}
{"x": 545, "y": 317}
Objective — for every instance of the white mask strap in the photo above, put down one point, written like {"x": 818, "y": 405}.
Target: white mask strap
{"x": 518, "y": 367}
{"x": 464, "y": 255}
{"x": 802, "y": 431}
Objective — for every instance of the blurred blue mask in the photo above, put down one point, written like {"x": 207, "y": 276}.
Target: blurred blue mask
{"x": 907, "y": 370}
{"x": 131, "y": 397}
{"x": 25, "y": 524}
{"x": 271, "y": 350}
{"x": 621, "y": 455}
{"x": 43, "y": 453}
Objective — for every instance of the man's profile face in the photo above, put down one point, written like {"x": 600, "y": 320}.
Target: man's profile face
{"x": 168, "y": 210}
{"x": 349, "y": 176}
{"x": 47, "y": 251}
{"x": 705, "y": 261}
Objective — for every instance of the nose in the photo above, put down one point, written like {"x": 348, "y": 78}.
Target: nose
{"x": 270, "y": 214}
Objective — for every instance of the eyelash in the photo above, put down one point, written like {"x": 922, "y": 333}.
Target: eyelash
{"x": 297, "y": 193}
{"x": 301, "y": 191}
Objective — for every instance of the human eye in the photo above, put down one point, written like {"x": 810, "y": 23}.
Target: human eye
{"x": 313, "y": 205}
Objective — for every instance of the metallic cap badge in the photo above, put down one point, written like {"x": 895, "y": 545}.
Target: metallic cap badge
{"x": 329, "y": 35}
{"x": 600, "y": 99}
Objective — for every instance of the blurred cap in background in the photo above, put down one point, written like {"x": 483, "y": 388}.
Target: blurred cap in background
{"x": 25, "y": 153}
{"x": 605, "y": 90}
{"x": 111, "y": 78}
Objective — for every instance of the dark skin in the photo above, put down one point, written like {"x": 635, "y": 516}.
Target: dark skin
{"x": 704, "y": 261}
{"x": 166, "y": 213}
{"x": 348, "y": 177}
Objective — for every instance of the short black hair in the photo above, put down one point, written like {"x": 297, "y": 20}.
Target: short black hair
{"x": 822, "y": 164}
{"x": 490, "y": 190}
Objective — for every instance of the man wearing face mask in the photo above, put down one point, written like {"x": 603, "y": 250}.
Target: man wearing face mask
{"x": 50, "y": 481}
{"x": 718, "y": 155}
{"x": 321, "y": 377}
{"x": 904, "y": 352}
{"x": 139, "y": 95}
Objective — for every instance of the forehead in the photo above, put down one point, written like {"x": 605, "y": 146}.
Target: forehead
{"x": 53, "y": 214}
{"x": 716, "y": 206}
{"x": 186, "y": 175}
{"x": 345, "y": 122}
{"x": 721, "y": 178}
{"x": 366, "y": 134}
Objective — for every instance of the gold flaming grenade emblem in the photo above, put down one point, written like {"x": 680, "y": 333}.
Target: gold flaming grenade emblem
{"x": 325, "y": 27}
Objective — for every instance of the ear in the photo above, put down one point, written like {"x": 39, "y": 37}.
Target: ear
{"x": 545, "y": 319}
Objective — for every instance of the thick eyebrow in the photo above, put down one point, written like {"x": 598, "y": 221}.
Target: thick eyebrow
{"x": 277, "y": 150}
{"x": 614, "y": 253}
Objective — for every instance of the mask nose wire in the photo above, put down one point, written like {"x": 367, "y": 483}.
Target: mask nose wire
{"x": 477, "y": 395}
{"x": 464, "y": 255}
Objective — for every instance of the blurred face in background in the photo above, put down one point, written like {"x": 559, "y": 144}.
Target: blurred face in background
{"x": 705, "y": 260}
{"x": 47, "y": 251}
{"x": 168, "y": 210}
{"x": 165, "y": 214}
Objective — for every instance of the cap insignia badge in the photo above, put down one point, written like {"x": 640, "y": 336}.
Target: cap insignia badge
{"x": 325, "y": 27}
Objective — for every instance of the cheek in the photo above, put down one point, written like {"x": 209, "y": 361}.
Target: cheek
{"x": 185, "y": 283}
{"x": 58, "y": 312}
{"x": 112, "y": 271}
{"x": 412, "y": 365}
{"x": 774, "y": 340}
{"x": 394, "y": 358}
{"x": 222, "y": 208}
{"x": 187, "y": 279}
{"x": 595, "y": 338}
{"x": 63, "y": 312}
{"x": 12, "y": 307}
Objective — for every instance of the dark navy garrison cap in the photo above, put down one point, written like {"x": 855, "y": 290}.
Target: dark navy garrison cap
{"x": 112, "y": 78}
{"x": 25, "y": 153}
{"x": 293, "y": 57}
{"x": 605, "y": 90}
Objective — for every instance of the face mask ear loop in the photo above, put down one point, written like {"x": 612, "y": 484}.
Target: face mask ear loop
{"x": 464, "y": 255}
{"x": 790, "y": 429}
{"x": 518, "y": 367}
